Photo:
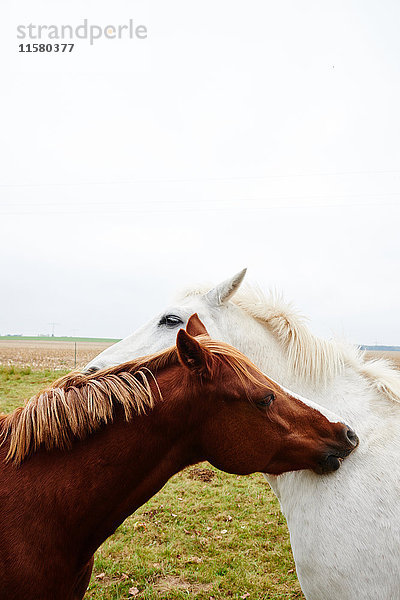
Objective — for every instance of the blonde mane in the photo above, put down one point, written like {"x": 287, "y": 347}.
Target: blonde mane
{"x": 78, "y": 404}
{"x": 312, "y": 359}
{"x": 72, "y": 408}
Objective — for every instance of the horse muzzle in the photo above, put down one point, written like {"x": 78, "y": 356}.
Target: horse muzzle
{"x": 332, "y": 460}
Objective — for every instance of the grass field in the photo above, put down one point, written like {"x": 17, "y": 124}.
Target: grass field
{"x": 205, "y": 535}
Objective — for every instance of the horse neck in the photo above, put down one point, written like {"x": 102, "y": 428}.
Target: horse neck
{"x": 346, "y": 393}
{"x": 254, "y": 339}
{"x": 107, "y": 476}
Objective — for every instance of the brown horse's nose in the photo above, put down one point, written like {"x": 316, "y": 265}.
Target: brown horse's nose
{"x": 352, "y": 437}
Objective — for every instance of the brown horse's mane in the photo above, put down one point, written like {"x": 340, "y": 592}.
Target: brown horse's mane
{"x": 78, "y": 404}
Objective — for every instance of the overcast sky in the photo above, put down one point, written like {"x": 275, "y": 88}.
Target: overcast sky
{"x": 260, "y": 134}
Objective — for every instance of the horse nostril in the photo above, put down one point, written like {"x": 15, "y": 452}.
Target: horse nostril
{"x": 352, "y": 437}
{"x": 90, "y": 370}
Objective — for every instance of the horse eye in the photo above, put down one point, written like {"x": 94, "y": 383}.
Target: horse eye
{"x": 170, "y": 321}
{"x": 267, "y": 401}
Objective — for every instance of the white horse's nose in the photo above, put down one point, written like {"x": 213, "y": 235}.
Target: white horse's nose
{"x": 90, "y": 370}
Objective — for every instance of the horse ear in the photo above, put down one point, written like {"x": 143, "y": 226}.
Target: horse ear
{"x": 195, "y": 326}
{"x": 226, "y": 289}
{"x": 192, "y": 355}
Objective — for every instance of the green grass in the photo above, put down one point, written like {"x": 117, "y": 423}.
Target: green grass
{"x": 19, "y": 383}
{"x": 48, "y": 338}
{"x": 221, "y": 539}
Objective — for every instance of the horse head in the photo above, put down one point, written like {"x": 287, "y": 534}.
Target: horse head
{"x": 249, "y": 422}
{"x": 160, "y": 332}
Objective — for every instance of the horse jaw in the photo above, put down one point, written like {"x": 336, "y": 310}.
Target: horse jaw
{"x": 225, "y": 290}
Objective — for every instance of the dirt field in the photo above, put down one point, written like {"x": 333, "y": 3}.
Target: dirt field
{"x": 48, "y": 354}
{"x": 394, "y": 357}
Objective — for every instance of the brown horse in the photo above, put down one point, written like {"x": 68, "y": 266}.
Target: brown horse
{"x": 80, "y": 457}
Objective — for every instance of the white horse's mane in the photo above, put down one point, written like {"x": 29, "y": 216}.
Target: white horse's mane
{"x": 313, "y": 359}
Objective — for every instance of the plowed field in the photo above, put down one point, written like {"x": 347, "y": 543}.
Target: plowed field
{"x": 48, "y": 354}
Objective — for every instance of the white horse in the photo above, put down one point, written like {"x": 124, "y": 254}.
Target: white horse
{"x": 345, "y": 527}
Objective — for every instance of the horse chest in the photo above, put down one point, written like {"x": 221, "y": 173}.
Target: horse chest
{"x": 344, "y": 531}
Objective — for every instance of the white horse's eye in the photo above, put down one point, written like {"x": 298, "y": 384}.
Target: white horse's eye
{"x": 170, "y": 321}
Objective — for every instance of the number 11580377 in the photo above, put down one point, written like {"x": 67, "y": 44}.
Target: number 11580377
{"x": 45, "y": 47}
